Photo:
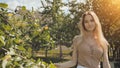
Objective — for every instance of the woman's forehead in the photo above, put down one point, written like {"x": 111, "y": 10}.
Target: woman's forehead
{"x": 88, "y": 16}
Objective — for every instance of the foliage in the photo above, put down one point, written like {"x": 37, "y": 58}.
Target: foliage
{"x": 13, "y": 59}
{"x": 19, "y": 37}
{"x": 3, "y": 5}
{"x": 63, "y": 24}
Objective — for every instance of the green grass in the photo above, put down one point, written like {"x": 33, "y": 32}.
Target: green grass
{"x": 53, "y": 56}
{"x": 53, "y": 52}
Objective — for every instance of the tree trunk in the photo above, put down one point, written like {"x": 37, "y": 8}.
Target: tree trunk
{"x": 46, "y": 51}
{"x": 60, "y": 51}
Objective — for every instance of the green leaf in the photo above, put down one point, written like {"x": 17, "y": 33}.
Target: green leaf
{"x": 7, "y": 27}
{"x": 21, "y": 48}
{"x": 18, "y": 41}
{"x": 16, "y": 63}
{"x": 29, "y": 52}
{"x": 23, "y": 8}
{"x": 2, "y": 40}
{"x": 38, "y": 60}
{"x": 3, "y": 5}
{"x": 52, "y": 65}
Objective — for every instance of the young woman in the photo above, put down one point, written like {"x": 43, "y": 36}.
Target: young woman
{"x": 90, "y": 46}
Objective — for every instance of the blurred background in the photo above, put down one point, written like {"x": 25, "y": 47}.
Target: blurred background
{"x": 38, "y": 33}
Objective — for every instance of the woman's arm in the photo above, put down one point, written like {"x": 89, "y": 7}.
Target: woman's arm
{"x": 105, "y": 59}
{"x": 73, "y": 61}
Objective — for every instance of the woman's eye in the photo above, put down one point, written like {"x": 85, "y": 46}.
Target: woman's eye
{"x": 92, "y": 20}
{"x": 86, "y": 21}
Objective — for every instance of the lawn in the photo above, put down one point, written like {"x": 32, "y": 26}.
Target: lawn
{"x": 53, "y": 55}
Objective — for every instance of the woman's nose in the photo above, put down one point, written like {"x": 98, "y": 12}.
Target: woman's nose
{"x": 90, "y": 24}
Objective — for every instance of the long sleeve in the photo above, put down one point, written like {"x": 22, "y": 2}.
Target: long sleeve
{"x": 105, "y": 59}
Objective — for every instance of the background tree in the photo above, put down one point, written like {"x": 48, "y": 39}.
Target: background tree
{"x": 63, "y": 26}
{"x": 19, "y": 36}
{"x": 109, "y": 12}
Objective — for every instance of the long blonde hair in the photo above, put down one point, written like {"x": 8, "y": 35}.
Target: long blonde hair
{"x": 98, "y": 29}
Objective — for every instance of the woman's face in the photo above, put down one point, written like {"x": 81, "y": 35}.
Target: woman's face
{"x": 89, "y": 23}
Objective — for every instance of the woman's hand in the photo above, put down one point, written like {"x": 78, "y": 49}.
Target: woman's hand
{"x": 57, "y": 65}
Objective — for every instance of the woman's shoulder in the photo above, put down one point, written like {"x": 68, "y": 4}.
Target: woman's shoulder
{"x": 76, "y": 41}
{"x": 77, "y": 38}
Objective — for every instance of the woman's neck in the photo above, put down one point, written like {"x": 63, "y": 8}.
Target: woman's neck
{"x": 89, "y": 35}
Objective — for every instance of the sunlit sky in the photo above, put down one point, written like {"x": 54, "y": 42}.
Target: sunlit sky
{"x": 30, "y": 3}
